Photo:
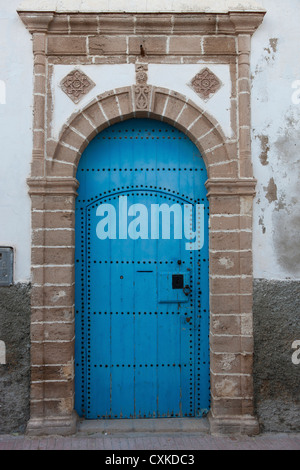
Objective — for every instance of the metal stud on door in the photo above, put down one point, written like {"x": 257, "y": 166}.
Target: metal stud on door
{"x": 141, "y": 347}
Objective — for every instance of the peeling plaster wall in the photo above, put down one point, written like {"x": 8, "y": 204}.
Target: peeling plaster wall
{"x": 276, "y": 142}
{"x": 275, "y": 69}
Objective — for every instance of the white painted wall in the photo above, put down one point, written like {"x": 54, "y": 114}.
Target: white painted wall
{"x": 218, "y": 105}
{"x": 16, "y": 66}
{"x": 140, "y": 5}
{"x": 275, "y": 117}
{"x": 275, "y": 66}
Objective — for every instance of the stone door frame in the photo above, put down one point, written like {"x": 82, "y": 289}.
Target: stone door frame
{"x": 66, "y": 38}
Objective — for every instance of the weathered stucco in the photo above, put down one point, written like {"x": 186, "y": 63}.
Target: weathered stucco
{"x": 276, "y": 378}
{"x": 275, "y": 143}
{"x": 15, "y": 373}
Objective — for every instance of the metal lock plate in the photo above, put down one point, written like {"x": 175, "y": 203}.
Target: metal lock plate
{"x": 6, "y": 266}
{"x": 170, "y": 287}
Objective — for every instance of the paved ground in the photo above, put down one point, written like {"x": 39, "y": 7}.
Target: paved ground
{"x": 162, "y": 442}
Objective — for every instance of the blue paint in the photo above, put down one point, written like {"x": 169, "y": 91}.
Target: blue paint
{"x": 141, "y": 347}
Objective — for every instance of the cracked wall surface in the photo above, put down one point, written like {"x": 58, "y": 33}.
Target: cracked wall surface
{"x": 276, "y": 244}
{"x": 276, "y": 143}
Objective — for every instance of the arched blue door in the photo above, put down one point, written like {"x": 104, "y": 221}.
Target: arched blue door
{"x": 141, "y": 266}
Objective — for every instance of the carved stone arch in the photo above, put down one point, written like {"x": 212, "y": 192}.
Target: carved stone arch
{"x": 53, "y": 222}
{"x": 165, "y": 105}
{"x": 74, "y": 38}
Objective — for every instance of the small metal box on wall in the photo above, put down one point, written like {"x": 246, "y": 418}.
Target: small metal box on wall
{"x": 6, "y": 266}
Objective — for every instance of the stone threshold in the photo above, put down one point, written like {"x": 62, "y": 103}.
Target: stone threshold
{"x": 158, "y": 425}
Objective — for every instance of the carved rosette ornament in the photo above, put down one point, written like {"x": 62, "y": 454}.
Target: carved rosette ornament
{"x": 141, "y": 87}
{"x": 205, "y": 84}
{"x": 76, "y": 84}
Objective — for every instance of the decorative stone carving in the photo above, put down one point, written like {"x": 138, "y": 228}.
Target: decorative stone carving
{"x": 141, "y": 74}
{"x": 76, "y": 84}
{"x": 141, "y": 97}
{"x": 205, "y": 84}
{"x": 141, "y": 88}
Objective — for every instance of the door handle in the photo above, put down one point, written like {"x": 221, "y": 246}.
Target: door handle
{"x": 186, "y": 290}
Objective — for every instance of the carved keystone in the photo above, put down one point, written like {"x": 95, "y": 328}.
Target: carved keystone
{"x": 141, "y": 88}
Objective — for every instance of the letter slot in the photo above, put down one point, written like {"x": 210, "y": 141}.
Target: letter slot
{"x": 177, "y": 281}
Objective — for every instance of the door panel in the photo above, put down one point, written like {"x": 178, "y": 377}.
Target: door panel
{"x": 141, "y": 302}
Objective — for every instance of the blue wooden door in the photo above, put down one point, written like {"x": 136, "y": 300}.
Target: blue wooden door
{"x": 141, "y": 258}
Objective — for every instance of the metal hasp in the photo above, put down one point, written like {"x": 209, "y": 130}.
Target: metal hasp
{"x": 6, "y": 266}
{"x": 141, "y": 316}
